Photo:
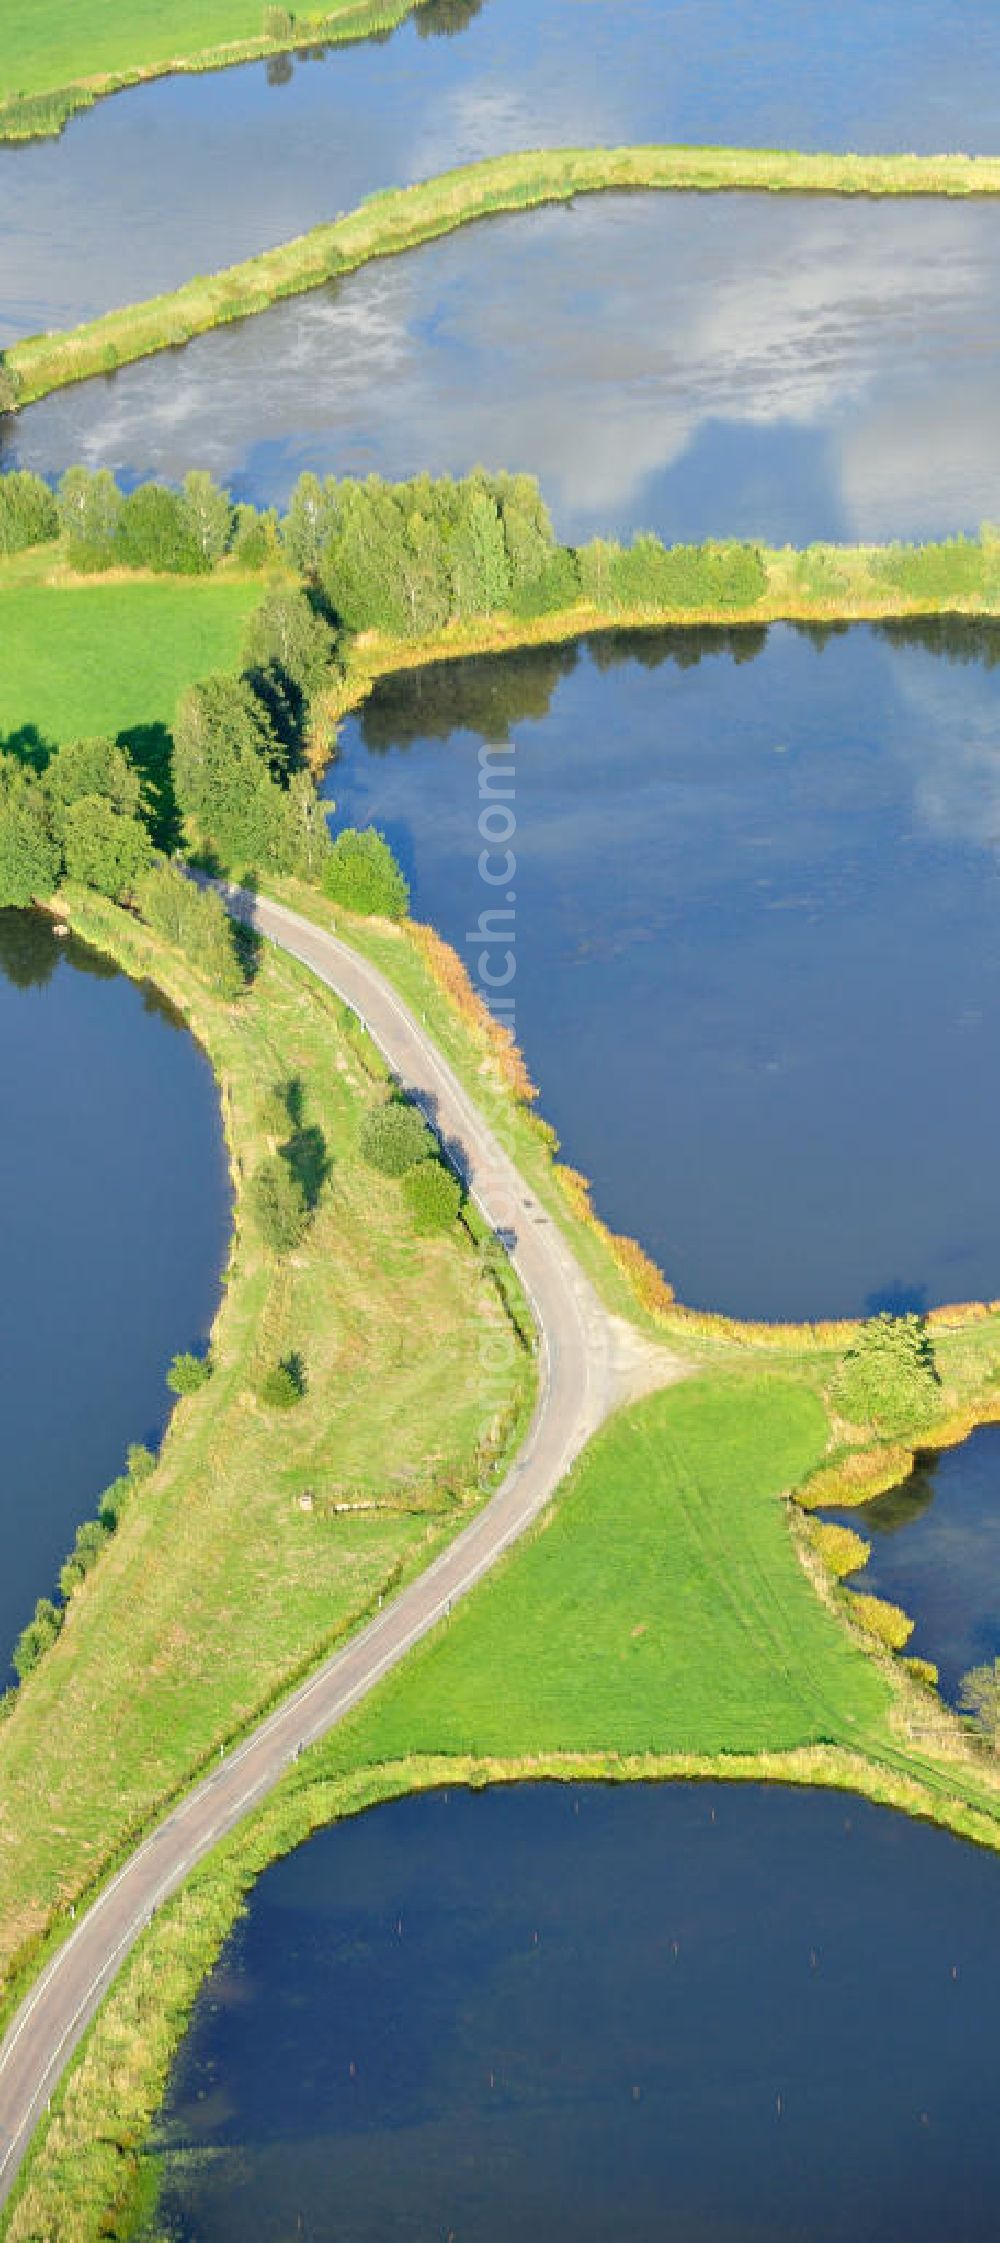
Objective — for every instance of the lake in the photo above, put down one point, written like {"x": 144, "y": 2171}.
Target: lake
{"x": 223, "y": 164}
{"x": 935, "y": 1549}
{"x": 756, "y": 923}
{"x": 685, "y": 2014}
{"x": 771, "y": 367}
{"x": 114, "y": 1220}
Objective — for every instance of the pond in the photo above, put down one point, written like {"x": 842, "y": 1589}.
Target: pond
{"x": 755, "y": 921}
{"x": 935, "y": 1549}
{"x": 698, "y": 365}
{"x": 563, "y": 2014}
{"x": 223, "y": 164}
{"x": 114, "y": 1219}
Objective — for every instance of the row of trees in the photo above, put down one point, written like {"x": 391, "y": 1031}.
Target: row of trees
{"x": 401, "y": 558}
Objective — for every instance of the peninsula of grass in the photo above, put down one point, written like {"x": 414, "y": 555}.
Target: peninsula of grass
{"x": 656, "y": 1624}
{"x": 403, "y": 218}
{"x": 264, "y": 1534}
{"x": 60, "y": 56}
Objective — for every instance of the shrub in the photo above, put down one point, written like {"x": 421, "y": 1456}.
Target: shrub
{"x": 104, "y": 850}
{"x": 434, "y": 1195}
{"x": 979, "y": 1697}
{"x": 189, "y": 1373}
{"x": 28, "y": 511}
{"x": 152, "y": 532}
{"x": 888, "y": 1623}
{"x": 35, "y": 1640}
{"x": 888, "y": 1378}
{"x": 90, "y": 1540}
{"x": 279, "y": 23}
{"x": 141, "y": 1462}
{"x": 283, "y": 1385}
{"x": 839, "y": 1547}
{"x": 278, "y": 1205}
{"x": 923, "y": 1670}
{"x": 395, "y": 1137}
{"x": 361, "y": 873}
{"x": 196, "y": 920}
{"x": 9, "y": 387}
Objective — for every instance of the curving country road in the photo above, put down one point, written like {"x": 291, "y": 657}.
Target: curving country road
{"x": 589, "y": 1362}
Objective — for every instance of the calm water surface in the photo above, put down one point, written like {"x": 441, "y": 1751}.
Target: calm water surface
{"x": 696, "y": 365}
{"x": 114, "y": 1210}
{"x": 935, "y": 1549}
{"x": 757, "y": 936}
{"x": 681, "y": 2015}
{"x": 187, "y": 174}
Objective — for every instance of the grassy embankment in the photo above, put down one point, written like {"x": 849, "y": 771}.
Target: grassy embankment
{"x": 402, "y": 218}
{"x": 264, "y": 1535}
{"x": 657, "y": 1624}
{"x": 60, "y": 56}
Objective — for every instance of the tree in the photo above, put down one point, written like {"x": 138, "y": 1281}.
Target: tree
{"x": 28, "y": 512}
{"x": 103, "y": 849}
{"x": 395, "y": 1136}
{"x": 283, "y": 1385}
{"x": 35, "y": 1640}
{"x": 152, "y": 532}
{"x": 207, "y": 515}
{"x": 30, "y": 855}
{"x": 88, "y": 767}
{"x": 434, "y": 1195}
{"x": 278, "y": 1205}
{"x": 196, "y": 921}
{"x": 287, "y": 632}
{"x": 189, "y": 1373}
{"x": 979, "y": 1696}
{"x": 361, "y": 873}
{"x": 89, "y": 507}
{"x": 888, "y": 1377}
{"x": 224, "y": 746}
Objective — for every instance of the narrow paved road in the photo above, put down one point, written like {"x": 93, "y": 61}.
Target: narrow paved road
{"x": 589, "y": 1362}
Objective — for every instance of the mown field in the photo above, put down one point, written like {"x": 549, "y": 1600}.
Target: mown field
{"x": 79, "y": 660}
{"x": 54, "y": 45}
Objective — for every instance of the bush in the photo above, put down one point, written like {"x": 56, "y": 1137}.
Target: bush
{"x": 888, "y": 1378}
{"x": 395, "y": 1137}
{"x": 278, "y": 1205}
{"x": 361, "y": 873}
{"x": 9, "y": 387}
{"x": 35, "y": 1640}
{"x": 90, "y": 1541}
{"x": 103, "y": 850}
{"x": 434, "y": 1195}
{"x": 152, "y": 532}
{"x": 888, "y": 1623}
{"x": 28, "y": 511}
{"x": 840, "y": 1549}
{"x": 196, "y": 920}
{"x": 979, "y": 1696}
{"x": 189, "y": 1373}
{"x": 279, "y": 23}
{"x": 283, "y": 1385}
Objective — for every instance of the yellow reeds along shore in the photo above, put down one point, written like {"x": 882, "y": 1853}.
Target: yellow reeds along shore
{"x": 404, "y": 218}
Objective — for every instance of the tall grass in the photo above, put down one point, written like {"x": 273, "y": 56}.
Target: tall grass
{"x": 402, "y": 218}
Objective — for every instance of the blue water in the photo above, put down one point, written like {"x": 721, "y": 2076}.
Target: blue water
{"x": 221, "y": 165}
{"x": 935, "y": 1549}
{"x": 697, "y": 365}
{"x": 682, "y": 2015}
{"x": 757, "y": 939}
{"x": 114, "y": 1215}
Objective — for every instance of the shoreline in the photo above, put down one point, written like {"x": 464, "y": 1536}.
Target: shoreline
{"x": 44, "y": 113}
{"x": 395, "y": 220}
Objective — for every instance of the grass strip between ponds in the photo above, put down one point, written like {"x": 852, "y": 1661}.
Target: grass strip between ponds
{"x": 618, "y": 1667}
{"x": 66, "y": 54}
{"x": 403, "y": 218}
